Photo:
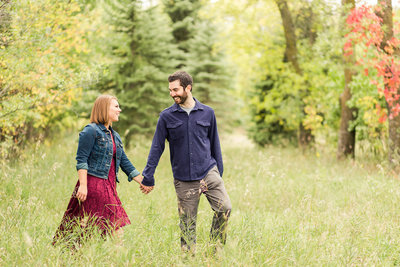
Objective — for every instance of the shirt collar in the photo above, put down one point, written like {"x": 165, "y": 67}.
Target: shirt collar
{"x": 103, "y": 128}
{"x": 197, "y": 106}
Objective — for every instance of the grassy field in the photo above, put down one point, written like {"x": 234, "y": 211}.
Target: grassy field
{"x": 288, "y": 209}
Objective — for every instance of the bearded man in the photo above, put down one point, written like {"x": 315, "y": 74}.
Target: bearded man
{"x": 195, "y": 153}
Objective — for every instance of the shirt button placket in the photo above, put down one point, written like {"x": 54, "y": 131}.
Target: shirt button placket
{"x": 190, "y": 147}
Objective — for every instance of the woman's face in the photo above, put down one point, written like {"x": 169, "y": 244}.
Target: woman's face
{"x": 114, "y": 111}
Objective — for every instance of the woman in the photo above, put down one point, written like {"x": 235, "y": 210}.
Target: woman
{"x": 94, "y": 201}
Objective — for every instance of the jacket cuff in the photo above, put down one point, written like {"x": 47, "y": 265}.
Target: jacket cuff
{"x": 80, "y": 166}
{"x": 148, "y": 181}
{"x": 133, "y": 173}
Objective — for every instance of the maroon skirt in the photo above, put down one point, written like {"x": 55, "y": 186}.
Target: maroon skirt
{"x": 101, "y": 210}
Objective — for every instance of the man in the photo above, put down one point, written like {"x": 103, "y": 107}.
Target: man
{"x": 191, "y": 130}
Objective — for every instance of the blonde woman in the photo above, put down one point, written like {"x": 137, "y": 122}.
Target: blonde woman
{"x": 94, "y": 201}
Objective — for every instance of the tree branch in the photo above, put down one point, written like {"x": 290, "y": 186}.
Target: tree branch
{"x": 5, "y": 3}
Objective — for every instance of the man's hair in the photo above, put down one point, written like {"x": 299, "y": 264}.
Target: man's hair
{"x": 184, "y": 78}
{"x": 101, "y": 108}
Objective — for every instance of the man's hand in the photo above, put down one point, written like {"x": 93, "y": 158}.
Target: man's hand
{"x": 146, "y": 189}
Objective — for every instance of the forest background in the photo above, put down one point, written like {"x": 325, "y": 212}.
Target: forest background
{"x": 306, "y": 95}
{"x": 317, "y": 74}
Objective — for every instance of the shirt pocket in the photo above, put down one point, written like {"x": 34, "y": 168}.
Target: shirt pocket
{"x": 202, "y": 128}
{"x": 101, "y": 141}
{"x": 175, "y": 130}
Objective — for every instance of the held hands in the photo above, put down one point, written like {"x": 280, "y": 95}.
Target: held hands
{"x": 143, "y": 188}
{"x": 82, "y": 192}
{"x": 146, "y": 189}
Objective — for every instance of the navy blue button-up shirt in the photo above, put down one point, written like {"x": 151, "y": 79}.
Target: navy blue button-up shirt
{"x": 193, "y": 143}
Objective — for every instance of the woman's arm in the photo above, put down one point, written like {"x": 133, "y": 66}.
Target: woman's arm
{"x": 85, "y": 146}
{"x": 128, "y": 168}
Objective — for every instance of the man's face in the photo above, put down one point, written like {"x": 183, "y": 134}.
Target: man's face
{"x": 177, "y": 92}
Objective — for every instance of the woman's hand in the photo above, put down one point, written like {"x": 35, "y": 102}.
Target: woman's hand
{"x": 82, "y": 193}
{"x": 138, "y": 179}
{"x": 143, "y": 188}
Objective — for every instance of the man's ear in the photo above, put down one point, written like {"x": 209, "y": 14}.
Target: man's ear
{"x": 189, "y": 87}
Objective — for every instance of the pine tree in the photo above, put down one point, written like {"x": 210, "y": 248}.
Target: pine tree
{"x": 196, "y": 39}
{"x": 207, "y": 65}
{"x": 183, "y": 14}
{"x": 144, "y": 54}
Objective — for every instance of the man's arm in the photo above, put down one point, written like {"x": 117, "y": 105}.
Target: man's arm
{"x": 215, "y": 145}
{"x": 156, "y": 150}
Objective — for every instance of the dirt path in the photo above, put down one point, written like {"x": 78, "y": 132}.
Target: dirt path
{"x": 236, "y": 138}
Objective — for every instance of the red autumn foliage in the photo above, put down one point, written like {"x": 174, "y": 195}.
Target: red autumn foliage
{"x": 365, "y": 28}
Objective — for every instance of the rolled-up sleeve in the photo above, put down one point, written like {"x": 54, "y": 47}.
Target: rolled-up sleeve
{"x": 85, "y": 146}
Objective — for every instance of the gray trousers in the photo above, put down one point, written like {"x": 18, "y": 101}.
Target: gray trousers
{"x": 188, "y": 195}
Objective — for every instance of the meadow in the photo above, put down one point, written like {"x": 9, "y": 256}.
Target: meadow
{"x": 289, "y": 208}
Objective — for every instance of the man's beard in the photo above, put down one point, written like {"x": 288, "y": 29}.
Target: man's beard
{"x": 182, "y": 99}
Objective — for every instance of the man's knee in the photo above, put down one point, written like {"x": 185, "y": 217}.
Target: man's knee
{"x": 226, "y": 209}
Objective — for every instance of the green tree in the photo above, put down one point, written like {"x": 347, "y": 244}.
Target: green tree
{"x": 142, "y": 53}
{"x": 196, "y": 38}
{"x": 207, "y": 64}
{"x": 347, "y": 134}
{"x": 44, "y": 60}
{"x": 291, "y": 55}
{"x": 273, "y": 105}
{"x": 183, "y": 14}
{"x": 276, "y": 93}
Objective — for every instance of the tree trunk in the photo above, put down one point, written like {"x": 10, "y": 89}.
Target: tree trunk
{"x": 394, "y": 141}
{"x": 347, "y": 136}
{"x": 305, "y": 135}
{"x": 290, "y": 35}
{"x": 387, "y": 21}
{"x": 394, "y": 123}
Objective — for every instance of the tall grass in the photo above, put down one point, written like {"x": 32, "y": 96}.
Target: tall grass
{"x": 288, "y": 209}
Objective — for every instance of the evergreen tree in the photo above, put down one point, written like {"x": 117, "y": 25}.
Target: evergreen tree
{"x": 207, "y": 65}
{"x": 144, "y": 54}
{"x": 183, "y": 14}
{"x": 196, "y": 39}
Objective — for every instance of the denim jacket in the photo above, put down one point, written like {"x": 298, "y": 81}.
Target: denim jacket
{"x": 95, "y": 152}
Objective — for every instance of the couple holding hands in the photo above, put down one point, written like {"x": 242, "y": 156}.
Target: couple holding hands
{"x": 195, "y": 153}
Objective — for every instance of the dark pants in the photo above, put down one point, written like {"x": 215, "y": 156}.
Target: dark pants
{"x": 188, "y": 194}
